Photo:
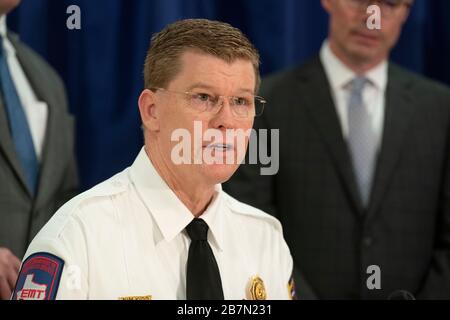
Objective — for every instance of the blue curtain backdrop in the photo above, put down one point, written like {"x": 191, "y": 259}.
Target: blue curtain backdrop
{"x": 101, "y": 64}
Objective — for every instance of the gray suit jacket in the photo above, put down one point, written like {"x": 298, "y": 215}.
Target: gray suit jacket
{"x": 21, "y": 215}
{"x": 333, "y": 238}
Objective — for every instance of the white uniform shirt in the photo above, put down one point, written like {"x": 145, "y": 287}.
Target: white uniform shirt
{"x": 340, "y": 78}
{"x": 126, "y": 238}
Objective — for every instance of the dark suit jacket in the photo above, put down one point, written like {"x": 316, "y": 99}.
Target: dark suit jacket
{"x": 333, "y": 239}
{"x": 21, "y": 215}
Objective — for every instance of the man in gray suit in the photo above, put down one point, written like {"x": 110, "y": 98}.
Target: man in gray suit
{"x": 363, "y": 188}
{"x": 37, "y": 164}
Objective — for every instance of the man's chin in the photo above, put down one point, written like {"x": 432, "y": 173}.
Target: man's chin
{"x": 363, "y": 54}
{"x": 219, "y": 173}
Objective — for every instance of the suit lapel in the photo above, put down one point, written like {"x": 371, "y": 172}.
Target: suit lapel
{"x": 323, "y": 112}
{"x": 39, "y": 83}
{"x": 6, "y": 143}
{"x": 7, "y": 147}
{"x": 398, "y": 113}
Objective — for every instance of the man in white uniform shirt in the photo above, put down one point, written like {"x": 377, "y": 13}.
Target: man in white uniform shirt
{"x": 163, "y": 230}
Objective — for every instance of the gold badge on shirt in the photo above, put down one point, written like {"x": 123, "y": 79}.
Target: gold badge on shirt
{"x": 149, "y": 297}
{"x": 256, "y": 289}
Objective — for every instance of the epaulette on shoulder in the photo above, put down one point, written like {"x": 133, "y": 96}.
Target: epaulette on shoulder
{"x": 252, "y": 212}
{"x": 113, "y": 186}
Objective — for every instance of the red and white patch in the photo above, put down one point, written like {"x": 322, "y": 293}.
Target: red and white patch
{"x": 39, "y": 277}
{"x": 32, "y": 290}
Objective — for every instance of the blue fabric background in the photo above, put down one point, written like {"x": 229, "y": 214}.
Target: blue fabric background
{"x": 101, "y": 64}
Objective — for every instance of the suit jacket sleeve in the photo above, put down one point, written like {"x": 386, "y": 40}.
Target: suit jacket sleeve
{"x": 437, "y": 281}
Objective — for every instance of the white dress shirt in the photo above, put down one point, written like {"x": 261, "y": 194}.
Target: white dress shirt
{"x": 36, "y": 111}
{"x": 127, "y": 238}
{"x": 340, "y": 78}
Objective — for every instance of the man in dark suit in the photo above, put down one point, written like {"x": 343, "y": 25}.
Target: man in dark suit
{"x": 37, "y": 164}
{"x": 363, "y": 188}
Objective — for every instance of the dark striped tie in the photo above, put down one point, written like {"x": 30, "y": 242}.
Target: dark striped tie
{"x": 362, "y": 139}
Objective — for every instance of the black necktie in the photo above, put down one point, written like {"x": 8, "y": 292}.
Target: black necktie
{"x": 203, "y": 276}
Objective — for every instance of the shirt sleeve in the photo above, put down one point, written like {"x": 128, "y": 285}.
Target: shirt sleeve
{"x": 55, "y": 268}
{"x": 282, "y": 268}
{"x": 288, "y": 270}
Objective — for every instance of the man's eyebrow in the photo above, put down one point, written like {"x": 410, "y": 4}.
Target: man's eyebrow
{"x": 250, "y": 91}
{"x": 200, "y": 85}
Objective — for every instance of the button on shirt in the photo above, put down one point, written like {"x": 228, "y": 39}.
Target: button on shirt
{"x": 126, "y": 238}
{"x": 341, "y": 77}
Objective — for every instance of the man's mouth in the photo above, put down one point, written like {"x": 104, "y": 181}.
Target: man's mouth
{"x": 220, "y": 146}
{"x": 369, "y": 36}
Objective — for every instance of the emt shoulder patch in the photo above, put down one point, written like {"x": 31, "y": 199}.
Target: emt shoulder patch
{"x": 39, "y": 277}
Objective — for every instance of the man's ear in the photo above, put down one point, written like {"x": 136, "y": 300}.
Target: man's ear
{"x": 147, "y": 109}
{"x": 407, "y": 13}
{"x": 326, "y": 4}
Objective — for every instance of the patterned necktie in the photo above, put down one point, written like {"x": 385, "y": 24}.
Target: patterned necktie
{"x": 18, "y": 125}
{"x": 361, "y": 139}
{"x": 202, "y": 277}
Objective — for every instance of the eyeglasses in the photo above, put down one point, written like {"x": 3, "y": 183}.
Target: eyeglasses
{"x": 246, "y": 106}
{"x": 388, "y": 7}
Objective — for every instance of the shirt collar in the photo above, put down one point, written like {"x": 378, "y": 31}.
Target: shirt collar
{"x": 340, "y": 75}
{"x": 213, "y": 217}
{"x": 3, "y": 25}
{"x": 7, "y": 45}
{"x": 170, "y": 214}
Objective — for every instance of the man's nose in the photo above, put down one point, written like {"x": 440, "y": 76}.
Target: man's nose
{"x": 224, "y": 117}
